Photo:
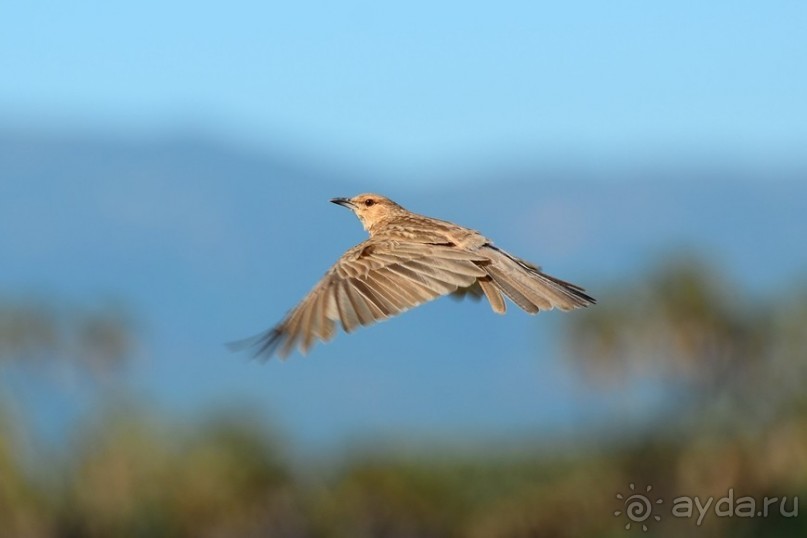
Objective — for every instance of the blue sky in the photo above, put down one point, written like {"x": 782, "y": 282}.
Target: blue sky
{"x": 416, "y": 84}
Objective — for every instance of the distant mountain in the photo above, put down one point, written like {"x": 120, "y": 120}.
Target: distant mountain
{"x": 209, "y": 243}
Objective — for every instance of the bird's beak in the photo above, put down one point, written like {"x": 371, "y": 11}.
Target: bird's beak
{"x": 344, "y": 202}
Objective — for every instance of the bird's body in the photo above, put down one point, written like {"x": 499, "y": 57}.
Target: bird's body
{"x": 408, "y": 260}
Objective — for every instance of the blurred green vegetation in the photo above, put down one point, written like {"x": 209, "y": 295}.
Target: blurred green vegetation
{"x": 733, "y": 364}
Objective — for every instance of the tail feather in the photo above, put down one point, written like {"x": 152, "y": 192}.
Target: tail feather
{"x": 511, "y": 289}
{"x": 493, "y": 293}
{"x": 531, "y": 289}
{"x": 576, "y": 295}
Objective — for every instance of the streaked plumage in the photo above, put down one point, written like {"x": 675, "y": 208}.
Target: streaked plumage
{"x": 408, "y": 260}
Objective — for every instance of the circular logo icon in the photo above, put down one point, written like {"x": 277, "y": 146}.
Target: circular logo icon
{"x": 638, "y": 507}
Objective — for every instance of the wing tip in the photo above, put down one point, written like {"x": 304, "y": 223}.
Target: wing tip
{"x": 264, "y": 345}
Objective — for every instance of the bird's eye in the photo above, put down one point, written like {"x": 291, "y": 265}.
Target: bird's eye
{"x": 368, "y": 202}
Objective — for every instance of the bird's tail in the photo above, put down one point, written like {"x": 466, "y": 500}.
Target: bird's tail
{"x": 527, "y": 286}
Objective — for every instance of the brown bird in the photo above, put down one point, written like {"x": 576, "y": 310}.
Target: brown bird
{"x": 408, "y": 260}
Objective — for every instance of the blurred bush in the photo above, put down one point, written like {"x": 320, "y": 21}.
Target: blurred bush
{"x": 36, "y": 331}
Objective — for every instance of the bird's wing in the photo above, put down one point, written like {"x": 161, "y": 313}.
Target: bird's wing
{"x": 372, "y": 281}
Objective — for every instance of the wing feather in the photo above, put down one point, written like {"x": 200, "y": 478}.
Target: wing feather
{"x": 378, "y": 279}
{"x": 363, "y": 313}
{"x": 346, "y": 314}
{"x": 379, "y": 306}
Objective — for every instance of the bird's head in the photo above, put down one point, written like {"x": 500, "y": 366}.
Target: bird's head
{"x": 370, "y": 208}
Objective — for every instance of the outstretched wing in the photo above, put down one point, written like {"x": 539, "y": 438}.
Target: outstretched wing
{"x": 371, "y": 282}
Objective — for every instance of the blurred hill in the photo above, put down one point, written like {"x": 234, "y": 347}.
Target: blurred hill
{"x": 205, "y": 243}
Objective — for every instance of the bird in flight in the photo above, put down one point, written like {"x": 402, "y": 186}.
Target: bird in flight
{"x": 408, "y": 260}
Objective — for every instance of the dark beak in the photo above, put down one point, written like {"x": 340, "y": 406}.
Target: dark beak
{"x": 344, "y": 202}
